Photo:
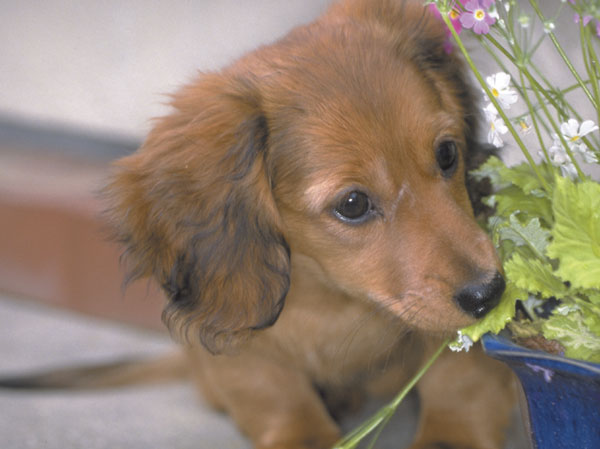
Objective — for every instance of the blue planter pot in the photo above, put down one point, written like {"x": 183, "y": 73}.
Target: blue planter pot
{"x": 562, "y": 395}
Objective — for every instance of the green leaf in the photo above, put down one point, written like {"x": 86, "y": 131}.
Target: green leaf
{"x": 491, "y": 169}
{"x": 576, "y": 232}
{"x": 535, "y": 276}
{"x": 498, "y": 318}
{"x": 594, "y": 298}
{"x": 591, "y": 315}
{"x": 570, "y": 330}
{"x": 524, "y": 177}
{"x": 532, "y": 234}
{"x": 506, "y": 248}
{"x": 513, "y": 200}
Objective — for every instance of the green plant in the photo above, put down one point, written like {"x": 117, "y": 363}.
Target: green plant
{"x": 546, "y": 224}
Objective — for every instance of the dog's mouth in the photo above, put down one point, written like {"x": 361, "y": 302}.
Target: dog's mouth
{"x": 443, "y": 313}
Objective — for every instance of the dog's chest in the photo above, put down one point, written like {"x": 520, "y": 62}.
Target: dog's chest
{"x": 338, "y": 341}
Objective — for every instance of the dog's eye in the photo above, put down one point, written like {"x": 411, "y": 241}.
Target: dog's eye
{"x": 353, "y": 207}
{"x": 446, "y": 156}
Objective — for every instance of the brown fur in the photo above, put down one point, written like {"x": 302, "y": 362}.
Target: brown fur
{"x": 229, "y": 204}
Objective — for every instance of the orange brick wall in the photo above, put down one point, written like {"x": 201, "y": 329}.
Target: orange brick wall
{"x": 53, "y": 244}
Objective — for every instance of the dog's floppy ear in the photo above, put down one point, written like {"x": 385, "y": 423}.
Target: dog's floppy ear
{"x": 194, "y": 208}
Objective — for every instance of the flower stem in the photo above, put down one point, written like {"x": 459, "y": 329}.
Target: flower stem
{"x": 539, "y": 91}
{"x": 385, "y": 413}
{"x": 563, "y": 55}
{"x": 532, "y": 110}
{"x": 591, "y": 62}
{"x": 533, "y": 114}
{"x": 521, "y": 66}
{"x": 495, "y": 103}
{"x": 555, "y": 126}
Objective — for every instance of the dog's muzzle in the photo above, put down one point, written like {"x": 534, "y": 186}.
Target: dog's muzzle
{"x": 477, "y": 299}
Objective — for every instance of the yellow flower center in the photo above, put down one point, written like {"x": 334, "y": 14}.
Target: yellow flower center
{"x": 454, "y": 14}
{"x": 574, "y": 138}
{"x": 495, "y": 92}
{"x": 479, "y": 14}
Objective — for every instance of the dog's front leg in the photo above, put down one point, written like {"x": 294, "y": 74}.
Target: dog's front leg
{"x": 466, "y": 402}
{"x": 272, "y": 402}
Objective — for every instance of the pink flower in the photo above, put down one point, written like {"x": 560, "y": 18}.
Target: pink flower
{"x": 477, "y": 17}
{"x": 454, "y": 16}
{"x": 586, "y": 15}
{"x": 586, "y": 19}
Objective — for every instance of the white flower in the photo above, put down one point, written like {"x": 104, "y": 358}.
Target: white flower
{"x": 525, "y": 126}
{"x": 499, "y": 84}
{"x": 566, "y": 309}
{"x": 496, "y": 126}
{"x": 531, "y": 304}
{"x": 560, "y": 158}
{"x": 573, "y": 132}
{"x": 524, "y": 20}
{"x": 462, "y": 343}
{"x": 549, "y": 27}
{"x": 589, "y": 157}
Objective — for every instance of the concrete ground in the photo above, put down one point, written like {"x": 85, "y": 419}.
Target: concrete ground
{"x": 35, "y": 337}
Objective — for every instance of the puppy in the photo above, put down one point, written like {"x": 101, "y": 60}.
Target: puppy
{"x": 306, "y": 212}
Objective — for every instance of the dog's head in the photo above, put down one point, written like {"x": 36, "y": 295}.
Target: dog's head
{"x": 346, "y": 142}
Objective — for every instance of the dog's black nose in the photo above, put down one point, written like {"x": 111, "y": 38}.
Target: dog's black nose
{"x": 478, "y": 299}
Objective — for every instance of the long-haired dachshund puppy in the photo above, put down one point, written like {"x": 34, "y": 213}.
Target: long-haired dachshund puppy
{"x": 306, "y": 212}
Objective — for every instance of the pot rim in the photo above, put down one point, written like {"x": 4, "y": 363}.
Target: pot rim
{"x": 502, "y": 348}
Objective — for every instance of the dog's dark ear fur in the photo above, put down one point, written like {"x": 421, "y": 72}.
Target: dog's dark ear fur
{"x": 194, "y": 209}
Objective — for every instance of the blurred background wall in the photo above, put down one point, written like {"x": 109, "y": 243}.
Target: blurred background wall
{"x": 104, "y": 66}
{"x": 80, "y": 82}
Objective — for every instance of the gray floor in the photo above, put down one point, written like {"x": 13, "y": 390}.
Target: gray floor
{"x": 35, "y": 337}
